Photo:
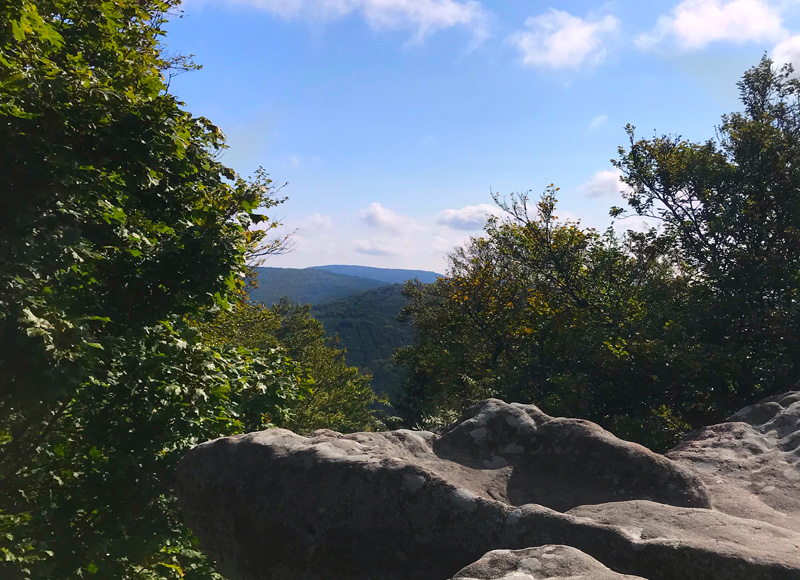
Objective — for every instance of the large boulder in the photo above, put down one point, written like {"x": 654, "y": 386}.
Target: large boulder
{"x": 413, "y": 505}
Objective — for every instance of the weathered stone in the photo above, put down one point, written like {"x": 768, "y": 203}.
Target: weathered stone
{"x": 562, "y": 463}
{"x": 550, "y": 562}
{"x": 664, "y": 542}
{"x": 413, "y": 505}
{"x": 751, "y": 463}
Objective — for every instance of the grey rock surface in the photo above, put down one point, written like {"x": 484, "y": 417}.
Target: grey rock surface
{"x": 409, "y": 505}
{"x": 751, "y": 463}
{"x": 562, "y": 463}
{"x": 541, "y": 562}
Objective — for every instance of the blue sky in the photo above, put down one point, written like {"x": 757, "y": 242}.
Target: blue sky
{"x": 393, "y": 120}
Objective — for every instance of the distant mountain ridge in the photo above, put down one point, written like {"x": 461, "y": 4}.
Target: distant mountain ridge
{"x": 307, "y": 286}
{"x": 388, "y": 275}
{"x": 321, "y": 284}
{"x": 359, "y": 304}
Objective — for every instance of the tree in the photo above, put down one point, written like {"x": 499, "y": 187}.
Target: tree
{"x": 730, "y": 208}
{"x": 547, "y": 312}
{"x": 117, "y": 226}
{"x": 342, "y": 398}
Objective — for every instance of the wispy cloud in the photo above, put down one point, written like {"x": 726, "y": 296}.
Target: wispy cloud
{"x": 604, "y": 183}
{"x": 318, "y": 222}
{"x": 471, "y": 217}
{"x": 598, "y": 120}
{"x": 380, "y": 237}
{"x": 694, "y": 24}
{"x": 557, "y": 39}
{"x": 424, "y": 17}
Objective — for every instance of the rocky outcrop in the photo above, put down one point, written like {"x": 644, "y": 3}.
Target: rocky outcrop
{"x": 407, "y": 505}
{"x": 751, "y": 463}
{"x": 561, "y": 463}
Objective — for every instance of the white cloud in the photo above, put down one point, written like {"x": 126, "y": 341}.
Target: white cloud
{"x": 556, "y": 39}
{"x": 788, "y": 51}
{"x": 374, "y": 248}
{"x": 604, "y": 183}
{"x": 471, "y": 217}
{"x": 423, "y": 16}
{"x": 313, "y": 227}
{"x": 379, "y": 237}
{"x": 381, "y": 218}
{"x": 597, "y": 121}
{"x": 694, "y": 24}
{"x": 318, "y": 222}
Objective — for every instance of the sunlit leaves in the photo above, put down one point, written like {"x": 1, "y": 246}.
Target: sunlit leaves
{"x": 341, "y": 399}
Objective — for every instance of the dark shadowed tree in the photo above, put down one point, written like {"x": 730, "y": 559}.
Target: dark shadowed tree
{"x": 730, "y": 208}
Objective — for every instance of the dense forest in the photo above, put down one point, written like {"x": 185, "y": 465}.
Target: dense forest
{"x": 362, "y": 322}
{"x": 366, "y": 324}
{"x": 126, "y": 334}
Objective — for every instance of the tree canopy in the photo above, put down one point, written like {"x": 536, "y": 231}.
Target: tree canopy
{"x": 118, "y": 226}
{"x": 543, "y": 311}
{"x": 729, "y": 208}
{"x": 342, "y": 398}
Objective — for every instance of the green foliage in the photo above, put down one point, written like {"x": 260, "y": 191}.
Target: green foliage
{"x": 730, "y": 208}
{"x": 117, "y": 223}
{"x": 649, "y": 335}
{"x": 546, "y": 312}
{"x": 97, "y": 483}
{"x": 342, "y": 398}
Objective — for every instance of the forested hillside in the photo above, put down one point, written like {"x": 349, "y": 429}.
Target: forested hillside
{"x": 367, "y": 326}
{"x": 365, "y": 321}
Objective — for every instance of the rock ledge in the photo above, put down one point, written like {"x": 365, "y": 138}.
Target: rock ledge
{"x": 504, "y": 490}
